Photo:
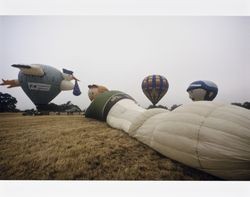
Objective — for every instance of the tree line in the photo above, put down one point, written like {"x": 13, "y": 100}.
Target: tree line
{"x": 8, "y": 104}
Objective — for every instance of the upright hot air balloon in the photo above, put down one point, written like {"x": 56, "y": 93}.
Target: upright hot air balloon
{"x": 202, "y": 90}
{"x": 154, "y": 87}
{"x": 43, "y": 83}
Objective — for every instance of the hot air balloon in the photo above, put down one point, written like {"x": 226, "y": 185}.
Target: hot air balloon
{"x": 209, "y": 136}
{"x": 202, "y": 90}
{"x": 154, "y": 87}
{"x": 43, "y": 83}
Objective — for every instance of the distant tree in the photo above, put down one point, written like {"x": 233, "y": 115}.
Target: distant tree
{"x": 237, "y": 104}
{"x": 29, "y": 112}
{"x": 174, "y": 107}
{"x": 245, "y": 105}
{"x": 52, "y": 107}
{"x": 157, "y": 106}
{"x": 7, "y": 103}
{"x": 68, "y": 103}
{"x": 61, "y": 108}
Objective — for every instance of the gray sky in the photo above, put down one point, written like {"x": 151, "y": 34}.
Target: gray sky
{"x": 119, "y": 51}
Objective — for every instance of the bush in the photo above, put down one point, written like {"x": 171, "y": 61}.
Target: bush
{"x": 7, "y": 103}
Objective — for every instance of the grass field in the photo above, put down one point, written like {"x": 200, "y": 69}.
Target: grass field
{"x": 61, "y": 147}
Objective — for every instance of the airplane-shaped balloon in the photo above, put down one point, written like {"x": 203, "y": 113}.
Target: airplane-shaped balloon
{"x": 43, "y": 83}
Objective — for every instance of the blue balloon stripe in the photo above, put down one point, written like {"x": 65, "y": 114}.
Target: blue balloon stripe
{"x": 154, "y": 81}
{"x": 148, "y": 88}
{"x": 161, "y": 87}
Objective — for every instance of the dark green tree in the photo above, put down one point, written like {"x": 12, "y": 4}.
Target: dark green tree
{"x": 157, "y": 106}
{"x": 174, "y": 107}
{"x": 245, "y": 105}
{"x": 7, "y": 103}
{"x": 61, "y": 108}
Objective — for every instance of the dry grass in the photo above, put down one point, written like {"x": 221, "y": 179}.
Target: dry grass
{"x": 73, "y": 147}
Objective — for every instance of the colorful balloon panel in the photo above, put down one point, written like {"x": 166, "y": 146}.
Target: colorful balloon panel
{"x": 154, "y": 87}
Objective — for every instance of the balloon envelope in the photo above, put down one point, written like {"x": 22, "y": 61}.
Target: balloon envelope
{"x": 154, "y": 87}
{"x": 41, "y": 90}
{"x": 202, "y": 90}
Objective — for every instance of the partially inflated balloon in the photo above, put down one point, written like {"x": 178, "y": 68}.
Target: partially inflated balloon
{"x": 202, "y": 90}
{"x": 154, "y": 87}
{"x": 209, "y": 136}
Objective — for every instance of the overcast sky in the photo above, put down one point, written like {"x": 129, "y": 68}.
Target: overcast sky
{"x": 119, "y": 51}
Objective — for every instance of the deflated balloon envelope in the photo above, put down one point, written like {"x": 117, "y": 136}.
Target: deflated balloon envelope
{"x": 154, "y": 87}
{"x": 202, "y": 90}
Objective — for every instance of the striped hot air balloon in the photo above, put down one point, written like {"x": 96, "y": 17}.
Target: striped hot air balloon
{"x": 154, "y": 87}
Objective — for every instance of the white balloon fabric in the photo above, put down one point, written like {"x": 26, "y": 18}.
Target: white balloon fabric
{"x": 123, "y": 113}
{"x": 212, "y": 137}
